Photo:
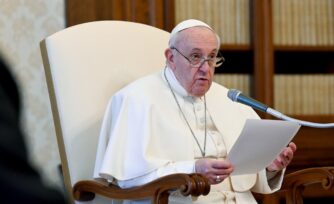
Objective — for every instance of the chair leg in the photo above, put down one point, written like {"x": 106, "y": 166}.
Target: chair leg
{"x": 271, "y": 199}
{"x": 161, "y": 198}
{"x": 294, "y": 196}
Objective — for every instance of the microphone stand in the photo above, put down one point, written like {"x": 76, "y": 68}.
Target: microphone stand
{"x": 279, "y": 115}
{"x": 236, "y": 96}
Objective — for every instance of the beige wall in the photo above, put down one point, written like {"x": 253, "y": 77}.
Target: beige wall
{"x": 23, "y": 24}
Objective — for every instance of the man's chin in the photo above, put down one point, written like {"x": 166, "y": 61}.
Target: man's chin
{"x": 199, "y": 92}
{"x": 200, "y": 88}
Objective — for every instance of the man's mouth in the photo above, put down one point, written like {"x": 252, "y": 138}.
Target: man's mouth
{"x": 203, "y": 79}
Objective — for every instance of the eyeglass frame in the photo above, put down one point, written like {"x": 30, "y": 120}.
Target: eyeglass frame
{"x": 203, "y": 59}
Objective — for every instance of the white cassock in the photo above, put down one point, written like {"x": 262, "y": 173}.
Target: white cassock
{"x": 144, "y": 136}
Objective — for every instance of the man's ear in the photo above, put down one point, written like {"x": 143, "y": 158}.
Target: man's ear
{"x": 169, "y": 57}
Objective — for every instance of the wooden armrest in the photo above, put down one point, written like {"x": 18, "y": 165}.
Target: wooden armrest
{"x": 294, "y": 183}
{"x": 158, "y": 190}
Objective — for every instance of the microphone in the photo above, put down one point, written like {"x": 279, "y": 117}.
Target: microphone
{"x": 236, "y": 96}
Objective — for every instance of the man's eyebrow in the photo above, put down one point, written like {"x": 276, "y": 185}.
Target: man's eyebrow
{"x": 195, "y": 49}
{"x": 198, "y": 49}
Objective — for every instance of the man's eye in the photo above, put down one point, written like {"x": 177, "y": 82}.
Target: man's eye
{"x": 196, "y": 57}
{"x": 212, "y": 56}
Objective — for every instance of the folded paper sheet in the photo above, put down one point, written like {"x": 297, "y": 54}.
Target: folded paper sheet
{"x": 259, "y": 143}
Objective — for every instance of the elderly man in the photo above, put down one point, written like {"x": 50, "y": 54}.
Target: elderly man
{"x": 179, "y": 121}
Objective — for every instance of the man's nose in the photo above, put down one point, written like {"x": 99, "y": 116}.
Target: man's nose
{"x": 205, "y": 66}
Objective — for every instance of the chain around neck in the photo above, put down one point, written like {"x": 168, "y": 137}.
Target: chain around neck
{"x": 184, "y": 117}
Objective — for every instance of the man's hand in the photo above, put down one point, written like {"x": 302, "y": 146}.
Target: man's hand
{"x": 283, "y": 159}
{"x": 215, "y": 170}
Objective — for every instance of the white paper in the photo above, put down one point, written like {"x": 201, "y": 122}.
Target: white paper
{"x": 259, "y": 143}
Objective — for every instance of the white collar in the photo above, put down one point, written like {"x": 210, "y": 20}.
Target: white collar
{"x": 176, "y": 86}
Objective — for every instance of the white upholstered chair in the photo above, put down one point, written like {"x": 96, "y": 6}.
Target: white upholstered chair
{"x": 84, "y": 65}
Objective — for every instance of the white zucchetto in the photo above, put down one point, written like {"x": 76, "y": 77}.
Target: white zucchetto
{"x": 185, "y": 25}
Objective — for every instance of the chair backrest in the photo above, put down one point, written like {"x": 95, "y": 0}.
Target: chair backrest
{"x": 84, "y": 65}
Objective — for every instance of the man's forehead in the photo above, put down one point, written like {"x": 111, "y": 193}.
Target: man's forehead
{"x": 196, "y": 37}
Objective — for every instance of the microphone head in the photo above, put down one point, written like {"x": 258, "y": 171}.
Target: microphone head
{"x": 233, "y": 94}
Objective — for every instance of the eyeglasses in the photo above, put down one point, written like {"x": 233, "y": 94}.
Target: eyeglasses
{"x": 196, "y": 60}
